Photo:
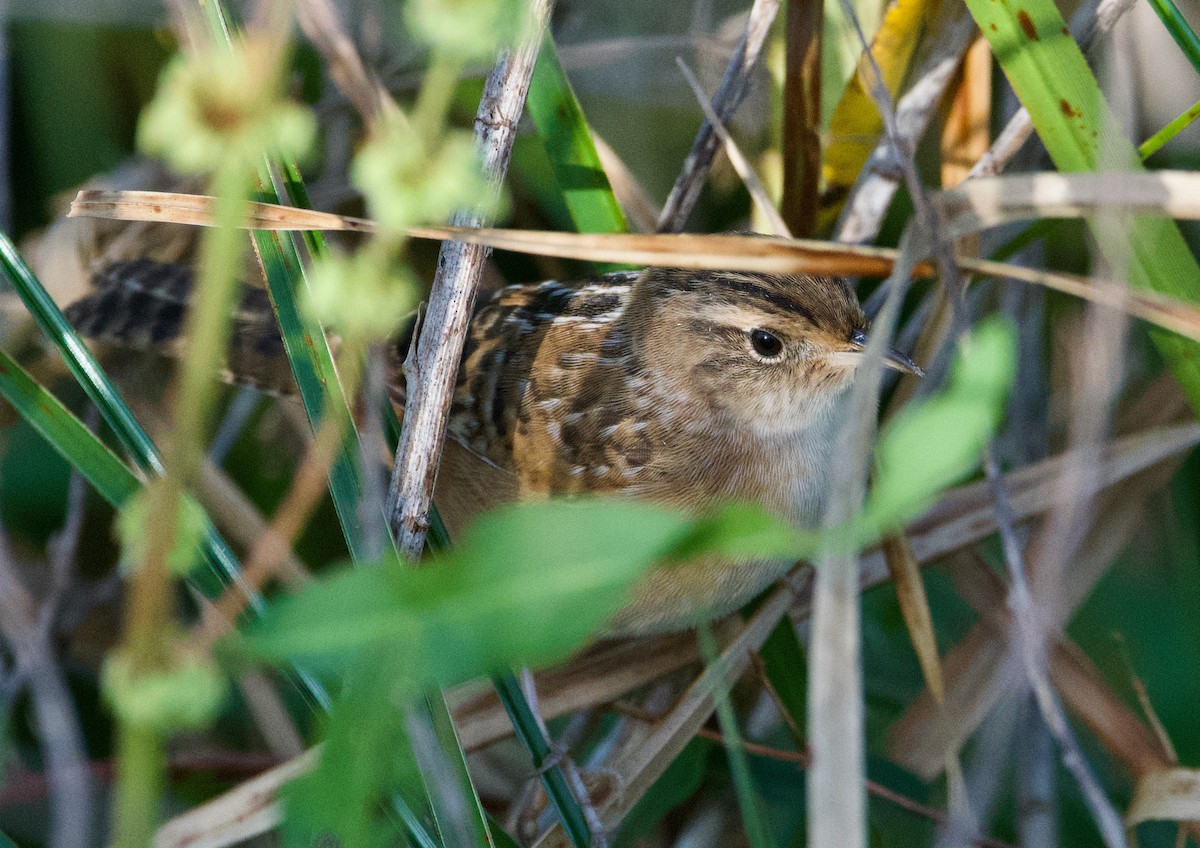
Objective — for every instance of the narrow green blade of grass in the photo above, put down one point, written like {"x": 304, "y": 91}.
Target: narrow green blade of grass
{"x": 758, "y": 835}
{"x": 1052, "y": 79}
{"x": 1177, "y": 25}
{"x": 1155, "y": 142}
{"x": 530, "y": 734}
{"x": 312, "y": 366}
{"x": 564, "y": 132}
{"x": 78, "y": 445}
{"x": 443, "y": 726}
{"x": 91, "y": 377}
{"x": 79, "y": 359}
{"x": 304, "y": 339}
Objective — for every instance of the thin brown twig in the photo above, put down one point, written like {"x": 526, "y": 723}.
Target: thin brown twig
{"x": 1031, "y": 645}
{"x": 272, "y": 549}
{"x": 758, "y": 194}
{"x": 803, "y": 759}
{"x": 733, "y": 89}
{"x": 322, "y": 24}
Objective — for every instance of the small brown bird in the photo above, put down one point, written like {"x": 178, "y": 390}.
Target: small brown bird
{"x": 681, "y": 387}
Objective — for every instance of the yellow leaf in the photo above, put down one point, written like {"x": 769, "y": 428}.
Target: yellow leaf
{"x": 856, "y": 126}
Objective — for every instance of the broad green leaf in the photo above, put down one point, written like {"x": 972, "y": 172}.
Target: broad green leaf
{"x": 1052, "y": 79}
{"x": 528, "y": 584}
{"x": 745, "y": 530}
{"x": 933, "y": 444}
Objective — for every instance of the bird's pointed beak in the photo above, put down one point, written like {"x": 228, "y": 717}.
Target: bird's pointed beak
{"x": 893, "y": 359}
{"x": 897, "y": 360}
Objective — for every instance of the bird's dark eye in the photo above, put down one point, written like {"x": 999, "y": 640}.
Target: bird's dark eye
{"x": 858, "y": 337}
{"x": 765, "y": 344}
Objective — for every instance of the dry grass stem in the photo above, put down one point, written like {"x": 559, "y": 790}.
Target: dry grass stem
{"x": 729, "y": 96}
{"x": 443, "y": 330}
{"x": 758, "y": 194}
{"x": 323, "y": 26}
{"x": 1029, "y": 634}
{"x": 730, "y": 252}
{"x": 639, "y": 209}
{"x": 801, "y": 145}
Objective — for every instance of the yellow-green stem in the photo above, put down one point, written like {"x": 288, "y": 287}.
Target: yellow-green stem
{"x": 148, "y": 614}
{"x": 141, "y": 763}
{"x": 437, "y": 93}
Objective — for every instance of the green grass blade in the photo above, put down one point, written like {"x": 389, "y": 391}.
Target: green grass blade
{"x": 78, "y": 445}
{"x": 91, "y": 377}
{"x": 312, "y": 366}
{"x": 530, "y": 734}
{"x": 79, "y": 359}
{"x": 567, "y": 138}
{"x": 438, "y": 713}
{"x": 758, "y": 835}
{"x": 1052, "y": 79}
{"x": 1177, "y": 25}
{"x": 1155, "y": 142}
{"x": 304, "y": 339}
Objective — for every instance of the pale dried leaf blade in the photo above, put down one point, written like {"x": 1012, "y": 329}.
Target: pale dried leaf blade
{"x": 197, "y": 210}
{"x": 247, "y": 810}
{"x": 766, "y": 254}
{"x": 719, "y": 252}
{"x": 1166, "y": 795}
{"x": 1150, "y": 306}
{"x": 979, "y": 204}
{"x": 914, "y": 607}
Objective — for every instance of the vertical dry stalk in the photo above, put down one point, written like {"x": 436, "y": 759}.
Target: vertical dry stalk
{"x": 27, "y": 633}
{"x": 836, "y": 799}
{"x": 802, "y": 116}
{"x": 432, "y": 372}
{"x": 729, "y": 96}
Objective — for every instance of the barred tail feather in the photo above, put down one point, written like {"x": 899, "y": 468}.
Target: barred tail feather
{"x": 140, "y": 304}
